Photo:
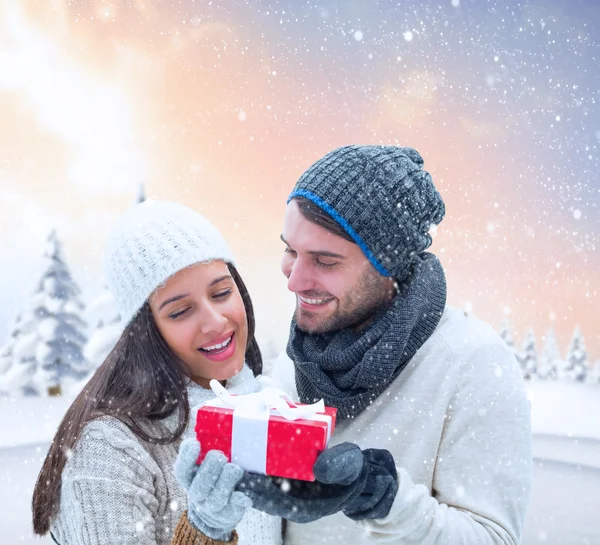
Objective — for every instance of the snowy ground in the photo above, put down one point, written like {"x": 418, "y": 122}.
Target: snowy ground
{"x": 565, "y": 502}
{"x": 19, "y": 467}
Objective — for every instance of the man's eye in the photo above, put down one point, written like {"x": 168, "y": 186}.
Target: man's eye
{"x": 288, "y": 250}
{"x": 325, "y": 265}
{"x": 176, "y": 315}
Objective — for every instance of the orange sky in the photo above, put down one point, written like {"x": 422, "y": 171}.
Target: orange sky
{"x": 223, "y": 106}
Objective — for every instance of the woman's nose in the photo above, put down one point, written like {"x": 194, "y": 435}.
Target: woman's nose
{"x": 212, "y": 320}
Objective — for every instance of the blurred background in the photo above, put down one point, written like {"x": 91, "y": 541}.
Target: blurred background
{"x": 221, "y": 105}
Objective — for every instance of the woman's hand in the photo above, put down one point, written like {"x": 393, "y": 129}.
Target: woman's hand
{"x": 214, "y": 507}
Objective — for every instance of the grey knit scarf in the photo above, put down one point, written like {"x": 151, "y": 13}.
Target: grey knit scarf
{"x": 350, "y": 370}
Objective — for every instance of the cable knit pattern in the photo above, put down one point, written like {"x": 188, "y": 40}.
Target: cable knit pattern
{"x": 118, "y": 489}
{"x": 349, "y": 369}
{"x": 457, "y": 422}
{"x": 151, "y": 242}
{"x": 382, "y": 197}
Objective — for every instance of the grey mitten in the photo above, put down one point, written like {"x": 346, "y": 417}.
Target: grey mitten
{"x": 361, "y": 484}
{"x": 214, "y": 507}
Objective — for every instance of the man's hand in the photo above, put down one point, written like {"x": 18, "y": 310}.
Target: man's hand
{"x": 362, "y": 484}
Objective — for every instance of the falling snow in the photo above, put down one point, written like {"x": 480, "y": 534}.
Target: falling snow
{"x": 503, "y": 99}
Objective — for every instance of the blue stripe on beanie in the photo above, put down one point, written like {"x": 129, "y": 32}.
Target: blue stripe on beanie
{"x": 344, "y": 224}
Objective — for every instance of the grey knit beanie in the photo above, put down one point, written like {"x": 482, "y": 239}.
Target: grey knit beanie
{"x": 150, "y": 243}
{"x": 382, "y": 198}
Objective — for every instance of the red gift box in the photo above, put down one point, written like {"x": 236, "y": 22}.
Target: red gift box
{"x": 265, "y": 441}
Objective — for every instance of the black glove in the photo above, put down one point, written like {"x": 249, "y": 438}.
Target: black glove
{"x": 362, "y": 484}
{"x": 377, "y": 497}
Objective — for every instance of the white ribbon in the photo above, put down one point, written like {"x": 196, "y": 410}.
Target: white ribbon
{"x": 251, "y": 414}
{"x": 269, "y": 398}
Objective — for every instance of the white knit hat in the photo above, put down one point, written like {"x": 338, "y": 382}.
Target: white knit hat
{"x": 150, "y": 243}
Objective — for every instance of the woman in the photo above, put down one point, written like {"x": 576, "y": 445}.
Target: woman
{"x": 108, "y": 477}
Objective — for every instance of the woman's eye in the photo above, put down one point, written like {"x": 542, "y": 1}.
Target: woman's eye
{"x": 222, "y": 294}
{"x": 176, "y": 315}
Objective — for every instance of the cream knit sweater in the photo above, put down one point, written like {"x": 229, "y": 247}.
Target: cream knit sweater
{"x": 457, "y": 422}
{"x": 117, "y": 490}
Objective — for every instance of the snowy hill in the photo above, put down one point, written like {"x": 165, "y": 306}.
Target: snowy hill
{"x": 565, "y": 409}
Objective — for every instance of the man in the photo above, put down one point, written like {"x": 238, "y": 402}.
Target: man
{"x": 372, "y": 336}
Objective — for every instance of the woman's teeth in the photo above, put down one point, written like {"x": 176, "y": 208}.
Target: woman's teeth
{"x": 218, "y": 346}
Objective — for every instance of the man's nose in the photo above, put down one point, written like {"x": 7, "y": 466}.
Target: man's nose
{"x": 299, "y": 279}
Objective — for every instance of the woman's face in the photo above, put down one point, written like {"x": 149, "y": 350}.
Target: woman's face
{"x": 200, "y": 314}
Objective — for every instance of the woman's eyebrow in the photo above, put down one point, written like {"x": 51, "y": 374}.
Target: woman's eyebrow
{"x": 172, "y": 300}
{"x": 179, "y": 297}
{"x": 220, "y": 279}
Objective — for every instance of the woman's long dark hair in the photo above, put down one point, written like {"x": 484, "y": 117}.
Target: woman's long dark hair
{"x": 141, "y": 379}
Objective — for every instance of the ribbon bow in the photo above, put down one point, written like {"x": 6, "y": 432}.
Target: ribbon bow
{"x": 267, "y": 400}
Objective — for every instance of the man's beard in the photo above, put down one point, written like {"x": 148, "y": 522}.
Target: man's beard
{"x": 355, "y": 310}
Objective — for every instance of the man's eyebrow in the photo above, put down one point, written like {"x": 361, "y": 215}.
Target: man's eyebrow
{"x": 322, "y": 253}
{"x": 183, "y": 295}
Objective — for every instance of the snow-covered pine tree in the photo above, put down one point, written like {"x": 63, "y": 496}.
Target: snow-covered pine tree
{"x": 528, "y": 357}
{"x": 594, "y": 374}
{"x": 18, "y": 356}
{"x": 5, "y": 359}
{"x": 506, "y": 334}
{"x": 48, "y": 349}
{"x": 57, "y": 305}
{"x": 141, "y": 195}
{"x": 550, "y": 358}
{"x": 577, "y": 366}
{"x": 9, "y": 372}
{"x": 104, "y": 315}
{"x": 6, "y": 352}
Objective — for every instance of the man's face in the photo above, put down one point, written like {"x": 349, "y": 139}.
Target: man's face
{"x": 335, "y": 285}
